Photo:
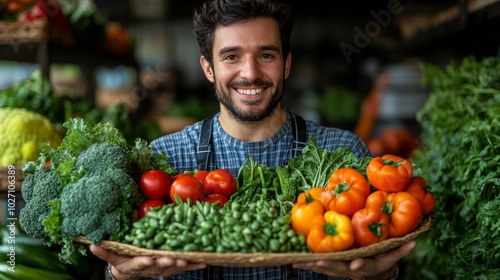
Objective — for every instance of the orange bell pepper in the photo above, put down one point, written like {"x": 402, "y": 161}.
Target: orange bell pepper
{"x": 389, "y": 173}
{"x": 404, "y": 210}
{"x": 330, "y": 232}
{"x": 346, "y": 191}
{"x": 418, "y": 188}
{"x": 304, "y": 211}
{"x": 313, "y": 193}
{"x": 370, "y": 226}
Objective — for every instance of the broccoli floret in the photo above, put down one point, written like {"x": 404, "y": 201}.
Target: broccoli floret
{"x": 128, "y": 187}
{"x": 102, "y": 156}
{"x": 98, "y": 205}
{"x": 90, "y": 207}
{"x": 38, "y": 189}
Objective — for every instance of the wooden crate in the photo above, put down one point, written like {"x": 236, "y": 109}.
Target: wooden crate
{"x": 35, "y": 31}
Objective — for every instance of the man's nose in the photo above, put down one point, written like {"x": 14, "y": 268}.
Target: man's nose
{"x": 250, "y": 69}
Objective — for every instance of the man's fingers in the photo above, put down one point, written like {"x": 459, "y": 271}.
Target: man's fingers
{"x": 116, "y": 259}
{"x": 406, "y": 249}
{"x": 99, "y": 252}
{"x": 392, "y": 256}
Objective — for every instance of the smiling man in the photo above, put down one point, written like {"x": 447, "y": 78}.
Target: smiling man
{"x": 245, "y": 53}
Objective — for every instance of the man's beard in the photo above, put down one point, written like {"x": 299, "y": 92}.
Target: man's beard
{"x": 250, "y": 115}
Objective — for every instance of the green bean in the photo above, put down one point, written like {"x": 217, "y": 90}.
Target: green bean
{"x": 139, "y": 225}
{"x": 136, "y": 242}
{"x": 154, "y": 222}
{"x": 267, "y": 231}
{"x": 202, "y": 231}
{"x": 159, "y": 238}
{"x": 274, "y": 245}
{"x": 150, "y": 244}
{"x": 179, "y": 215}
{"x": 174, "y": 243}
{"x": 164, "y": 219}
{"x": 190, "y": 247}
{"x": 152, "y": 214}
{"x": 162, "y": 210}
{"x": 207, "y": 224}
{"x": 206, "y": 208}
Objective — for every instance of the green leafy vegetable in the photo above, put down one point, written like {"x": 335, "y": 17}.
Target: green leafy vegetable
{"x": 315, "y": 166}
{"x": 460, "y": 159}
{"x": 34, "y": 94}
{"x": 312, "y": 168}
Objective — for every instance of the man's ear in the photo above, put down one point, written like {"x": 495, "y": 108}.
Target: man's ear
{"x": 288, "y": 65}
{"x": 207, "y": 69}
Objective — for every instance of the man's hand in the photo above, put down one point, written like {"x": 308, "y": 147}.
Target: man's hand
{"x": 125, "y": 267}
{"x": 378, "y": 267}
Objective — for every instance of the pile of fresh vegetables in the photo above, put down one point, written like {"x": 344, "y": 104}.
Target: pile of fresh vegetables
{"x": 340, "y": 204}
{"x": 460, "y": 159}
{"x": 96, "y": 182}
{"x": 349, "y": 213}
{"x": 88, "y": 186}
{"x": 200, "y": 185}
{"x": 204, "y": 226}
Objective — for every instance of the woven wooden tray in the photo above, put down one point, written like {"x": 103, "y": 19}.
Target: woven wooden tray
{"x": 264, "y": 259}
{"x": 12, "y": 32}
{"x": 11, "y": 176}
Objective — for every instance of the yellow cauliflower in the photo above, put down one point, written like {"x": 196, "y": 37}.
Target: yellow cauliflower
{"x": 21, "y": 133}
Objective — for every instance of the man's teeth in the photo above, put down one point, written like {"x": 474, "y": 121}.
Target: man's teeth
{"x": 250, "y": 91}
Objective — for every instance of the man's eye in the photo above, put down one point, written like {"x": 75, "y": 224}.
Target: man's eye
{"x": 267, "y": 56}
{"x": 231, "y": 57}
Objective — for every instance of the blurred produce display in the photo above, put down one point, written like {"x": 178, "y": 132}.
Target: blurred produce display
{"x": 21, "y": 133}
{"x": 460, "y": 160}
{"x": 35, "y": 94}
{"x": 395, "y": 140}
{"x": 337, "y": 104}
{"x": 191, "y": 106}
{"x": 84, "y": 24}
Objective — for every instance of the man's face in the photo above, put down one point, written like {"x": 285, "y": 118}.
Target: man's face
{"x": 248, "y": 68}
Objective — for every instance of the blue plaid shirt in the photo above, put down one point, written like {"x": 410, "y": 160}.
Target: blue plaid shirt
{"x": 229, "y": 153}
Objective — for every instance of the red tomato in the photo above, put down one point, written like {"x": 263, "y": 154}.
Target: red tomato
{"x": 220, "y": 181}
{"x": 187, "y": 186}
{"x": 147, "y": 205}
{"x": 200, "y": 175}
{"x": 155, "y": 184}
{"x": 214, "y": 197}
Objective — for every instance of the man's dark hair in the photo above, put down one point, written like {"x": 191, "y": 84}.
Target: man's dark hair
{"x": 225, "y": 12}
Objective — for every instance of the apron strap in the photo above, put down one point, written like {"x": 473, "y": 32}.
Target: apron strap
{"x": 205, "y": 144}
{"x": 299, "y": 132}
